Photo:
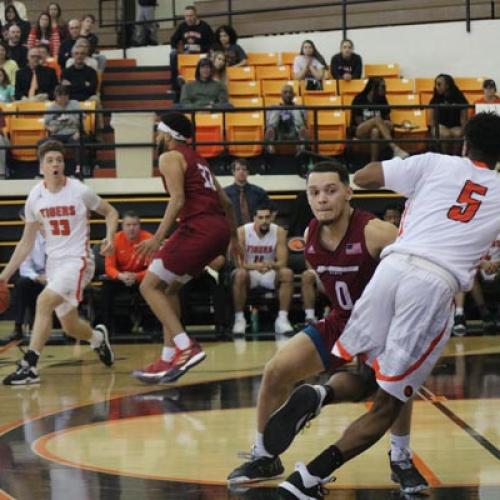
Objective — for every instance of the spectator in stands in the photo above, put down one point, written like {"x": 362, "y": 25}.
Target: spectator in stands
{"x": 35, "y": 82}
{"x": 20, "y": 10}
{"x": 448, "y": 123}
{"x": 265, "y": 266}
{"x": 310, "y": 66}
{"x": 227, "y": 39}
{"x": 3, "y": 153}
{"x": 489, "y": 93}
{"x": 7, "y": 64}
{"x": 81, "y": 79}
{"x": 44, "y": 33}
{"x": 47, "y": 60}
{"x": 56, "y": 20}
{"x": 30, "y": 283}
{"x": 346, "y": 65}
{"x": 311, "y": 286}
{"x": 124, "y": 270}
{"x": 192, "y": 36}
{"x": 86, "y": 31}
{"x": 89, "y": 61}
{"x": 65, "y": 127}
{"x": 244, "y": 196}
{"x": 392, "y": 214}
{"x": 15, "y": 49}
{"x": 74, "y": 27}
{"x": 12, "y": 17}
{"x": 146, "y": 34}
{"x": 204, "y": 91}
{"x": 286, "y": 124}
{"x": 370, "y": 123}
{"x": 219, "y": 60}
{"x": 7, "y": 90}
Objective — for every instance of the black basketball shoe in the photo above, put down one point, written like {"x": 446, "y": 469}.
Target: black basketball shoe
{"x": 24, "y": 375}
{"x": 104, "y": 350}
{"x": 286, "y": 422}
{"x": 407, "y": 476}
{"x": 302, "y": 485}
{"x": 256, "y": 469}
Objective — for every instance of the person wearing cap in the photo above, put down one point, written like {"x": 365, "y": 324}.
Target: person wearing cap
{"x": 206, "y": 227}
{"x": 204, "y": 91}
{"x": 489, "y": 93}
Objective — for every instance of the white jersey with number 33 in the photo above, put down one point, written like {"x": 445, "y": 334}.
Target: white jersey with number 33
{"x": 64, "y": 216}
{"x": 452, "y": 214}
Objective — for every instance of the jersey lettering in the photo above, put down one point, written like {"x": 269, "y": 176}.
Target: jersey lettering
{"x": 60, "y": 227}
{"x": 207, "y": 177}
{"x": 466, "y": 213}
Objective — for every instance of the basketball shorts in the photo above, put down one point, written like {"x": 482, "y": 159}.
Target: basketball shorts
{"x": 401, "y": 323}
{"x": 324, "y": 334}
{"x": 68, "y": 278}
{"x": 191, "y": 247}
{"x": 264, "y": 280}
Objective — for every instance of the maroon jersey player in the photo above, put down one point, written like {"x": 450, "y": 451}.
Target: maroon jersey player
{"x": 343, "y": 247}
{"x": 206, "y": 226}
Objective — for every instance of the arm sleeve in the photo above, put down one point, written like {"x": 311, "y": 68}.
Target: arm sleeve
{"x": 90, "y": 199}
{"x": 333, "y": 68}
{"x": 93, "y": 82}
{"x": 27, "y": 268}
{"x": 110, "y": 265}
{"x": 18, "y": 92}
{"x": 222, "y": 96}
{"x": 240, "y": 53}
{"x": 297, "y": 66}
{"x": 29, "y": 213}
{"x": 405, "y": 176}
{"x": 176, "y": 36}
{"x": 357, "y": 69}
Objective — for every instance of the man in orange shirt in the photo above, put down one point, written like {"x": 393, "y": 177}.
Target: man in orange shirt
{"x": 124, "y": 270}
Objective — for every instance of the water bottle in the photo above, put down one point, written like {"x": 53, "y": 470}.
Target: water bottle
{"x": 254, "y": 319}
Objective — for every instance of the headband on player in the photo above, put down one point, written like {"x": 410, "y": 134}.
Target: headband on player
{"x": 162, "y": 127}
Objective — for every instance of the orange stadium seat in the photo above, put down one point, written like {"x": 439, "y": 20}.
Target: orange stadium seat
{"x": 321, "y": 100}
{"x": 403, "y": 99}
{"x": 424, "y": 85}
{"x": 245, "y": 126}
{"x": 26, "y": 131}
{"x": 329, "y": 88}
{"x": 188, "y": 72}
{"x": 262, "y": 58}
{"x": 208, "y": 127}
{"x": 246, "y": 101}
{"x": 27, "y": 106}
{"x": 382, "y": 70}
{"x": 273, "y": 72}
{"x": 425, "y": 98}
{"x": 189, "y": 59}
{"x": 399, "y": 86}
{"x": 351, "y": 87}
{"x": 331, "y": 126}
{"x": 8, "y": 107}
{"x": 288, "y": 57}
{"x": 410, "y": 124}
{"x": 247, "y": 89}
{"x": 273, "y": 87}
{"x": 244, "y": 73}
{"x": 470, "y": 84}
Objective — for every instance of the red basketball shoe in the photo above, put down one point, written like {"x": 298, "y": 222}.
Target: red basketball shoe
{"x": 153, "y": 373}
{"x": 183, "y": 361}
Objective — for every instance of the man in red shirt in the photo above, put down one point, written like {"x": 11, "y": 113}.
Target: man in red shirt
{"x": 124, "y": 269}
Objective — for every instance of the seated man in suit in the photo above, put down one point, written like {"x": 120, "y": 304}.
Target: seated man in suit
{"x": 35, "y": 82}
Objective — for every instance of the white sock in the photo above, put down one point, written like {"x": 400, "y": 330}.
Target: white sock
{"x": 459, "y": 311}
{"x": 182, "y": 341}
{"x": 96, "y": 339}
{"x": 167, "y": 353}
{"x": 283, "y": 315}
{"x": 259, "y": 449}
{"x": 400, "y": 447}
{"x": 310, "y": 314}
{"x": 239, "y": 316}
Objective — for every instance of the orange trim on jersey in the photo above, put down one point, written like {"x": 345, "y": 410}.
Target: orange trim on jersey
{"x": 80, "y": 278}
{"x": 343, "y": 351}
{"x": 403, "y": 219}
{"x": 480, "y": 164}
{"x": 412, "y": 368}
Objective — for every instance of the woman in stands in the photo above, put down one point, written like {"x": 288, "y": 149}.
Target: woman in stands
{"x": 56, "y": 21}
{"x": 219, "y": 59}
{"x": 226, "y": 38}
{"x": 448, "y": 123}
{"x": 44, "y": 33}
{"x": 13, "y": 17}
{"x": 7, "y": 64}
{"x": 371, "y": 123}
{"x": 6, "y": 89}
{"x": 346, "y": 65}
{"x": 310, "y": 66}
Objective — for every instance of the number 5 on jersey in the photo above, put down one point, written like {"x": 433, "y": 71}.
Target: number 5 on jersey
{"x": 469, "y": 205}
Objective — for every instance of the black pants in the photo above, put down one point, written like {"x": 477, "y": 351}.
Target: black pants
{"x": 26, "y": 293}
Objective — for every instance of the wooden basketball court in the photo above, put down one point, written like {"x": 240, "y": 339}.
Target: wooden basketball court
{"x": 87, "y": 432}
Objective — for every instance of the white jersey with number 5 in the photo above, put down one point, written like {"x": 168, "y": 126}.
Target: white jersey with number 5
{"x": 65, "y": 217}
{"x": 452, "y": 214}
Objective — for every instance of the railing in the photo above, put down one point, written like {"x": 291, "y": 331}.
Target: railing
{"x": 85, "y": 143}
{"x": 230, "y": 13}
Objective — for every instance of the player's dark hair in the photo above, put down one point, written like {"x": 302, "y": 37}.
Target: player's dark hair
{"x": 482, "y": 135}
{"x": 334, "y": 167}
{"x": 240, "y": 161}
{"x": 48, "y": 146}
{"x": 130, "y": 213}
{"x": 263, "y": 206}
{"x": 179, "y": 123}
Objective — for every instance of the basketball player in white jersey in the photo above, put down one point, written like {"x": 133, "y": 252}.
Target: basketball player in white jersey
{"x": 403, "y": 319}
{"x": 62, "y": 207}
{"x": 266, "y": 257}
